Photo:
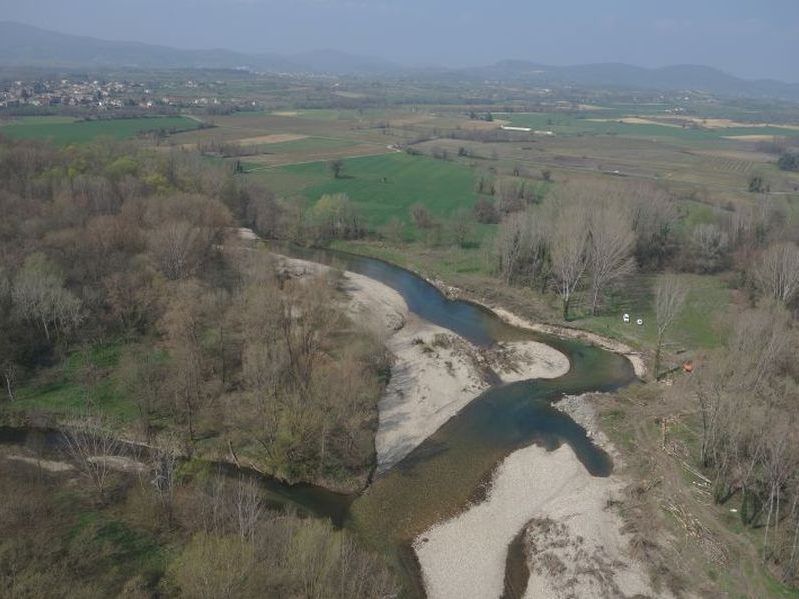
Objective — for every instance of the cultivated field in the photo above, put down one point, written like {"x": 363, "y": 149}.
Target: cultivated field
{"x": 64, "y": 130}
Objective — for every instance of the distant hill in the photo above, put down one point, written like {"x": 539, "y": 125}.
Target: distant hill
{"x": 677, "y": 77}
{"x": 25, "y": 45}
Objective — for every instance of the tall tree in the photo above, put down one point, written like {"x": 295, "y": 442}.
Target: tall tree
{"x": 777, "y": 272}
{"x": 670, "y": 293}
{"x": 570, "y": 251}
{"x": 611, "y": 250}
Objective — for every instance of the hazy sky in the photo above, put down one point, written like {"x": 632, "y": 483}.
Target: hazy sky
{"x": 751, "y": 38}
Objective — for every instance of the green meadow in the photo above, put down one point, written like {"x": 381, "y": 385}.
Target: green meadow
{"x": 384, "y": 186}
{"x": 64, "y": 131}
{"x": 702, "y": 323}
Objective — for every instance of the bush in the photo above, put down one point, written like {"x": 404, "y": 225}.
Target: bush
{"x": 485, "y": 212}
{"x": 789, "y": 161}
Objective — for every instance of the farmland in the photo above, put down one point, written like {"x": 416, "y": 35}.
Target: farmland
{"x": 597, "y": 123}
{"x": 64, "y": 130}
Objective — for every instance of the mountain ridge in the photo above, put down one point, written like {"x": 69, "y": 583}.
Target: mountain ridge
{"x": 26, "y": 45}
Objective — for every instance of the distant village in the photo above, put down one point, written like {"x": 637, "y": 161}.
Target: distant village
{"x": 99, "y": 95}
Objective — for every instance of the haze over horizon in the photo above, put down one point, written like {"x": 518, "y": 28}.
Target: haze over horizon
{"x": 747, "y": 38}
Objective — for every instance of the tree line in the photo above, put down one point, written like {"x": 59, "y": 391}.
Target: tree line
{"x": 583, "y": 242}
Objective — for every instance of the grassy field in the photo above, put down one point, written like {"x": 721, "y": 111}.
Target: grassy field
{"x": 701, "y": 324}
{"x": 63, "y": 131}
{"x": 382, "y": 186}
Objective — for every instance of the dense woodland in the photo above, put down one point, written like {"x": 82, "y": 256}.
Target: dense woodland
{"x": 210, "y": 352}
{"x": 101, "y": 246}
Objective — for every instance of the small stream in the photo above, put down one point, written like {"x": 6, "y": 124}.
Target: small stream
{"x": 452, "y": 468}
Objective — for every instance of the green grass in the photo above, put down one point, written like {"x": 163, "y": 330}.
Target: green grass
{"x": 121, "y": 546}
{"x": 700, "y": 324}
{"x": 65, "y": 131}
{"x": 382, "y": 186}
{"x": 83, "y": 379}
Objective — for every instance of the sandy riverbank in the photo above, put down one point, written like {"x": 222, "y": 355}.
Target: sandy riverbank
{"x": 434, "y": 375}
{"x": 573, "y": 540}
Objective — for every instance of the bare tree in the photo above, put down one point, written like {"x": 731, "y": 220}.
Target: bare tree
{"x": 143, "y": 377}
{"x": 8, "y": 366}
{"x": 461, "y": 226}
{"x": 709, "y": 248}
{"x": 779, "y": 462}
{"x": 510, "y": 242}
{"x": 511, "y": 195}
{"x": 38, "y": 295}
{"x": 421, "y": 216}
{"x": 394, "y": 230}
{"x": 9, "y": 377}
{"x": 777, "y": 272}
{"x": 522, "y": 248}
{"x": 89, "y": 443}
{"x": 654, "y": 222}
{"x": 183, "y": 324}
{"x": 485, "y": 211}
{"x": 165, "y": 464}
{"x": 249, "y": 508}
{"x": 670, "y": 293}
{"x": 611, "y": 250}
{"x": 176, "y": 248}
{"x": 570, "y": 251}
